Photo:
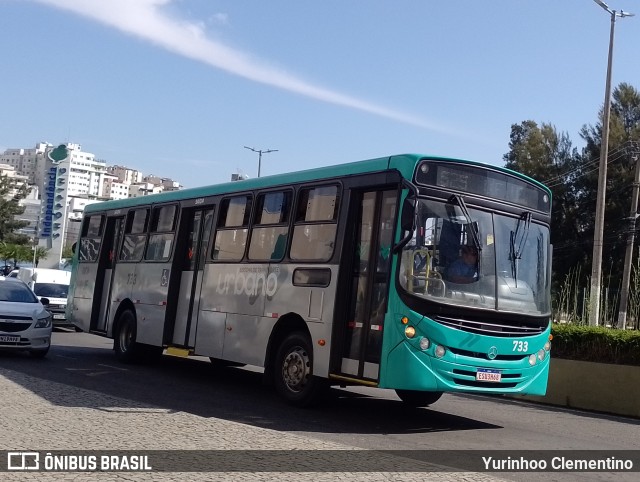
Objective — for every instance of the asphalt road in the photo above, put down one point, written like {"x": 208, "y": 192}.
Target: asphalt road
{"x": 358, "y": 417}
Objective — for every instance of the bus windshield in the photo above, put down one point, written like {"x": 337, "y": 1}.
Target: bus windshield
{"x": 472, "y": 258}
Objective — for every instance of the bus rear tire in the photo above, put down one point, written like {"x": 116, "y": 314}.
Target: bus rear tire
{"x": 124, "y": 341}
{"x": 415, "y": 398}
{"x": 293, "y": 371}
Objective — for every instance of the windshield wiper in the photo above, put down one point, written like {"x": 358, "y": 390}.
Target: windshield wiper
{"x": 473, "y": 227}
{"x": 515, "y": 253}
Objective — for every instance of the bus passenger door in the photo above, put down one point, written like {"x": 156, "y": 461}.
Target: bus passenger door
{"x": 186, "y": 280}
{"x": 374, "y": 217}
{"x": 106, "y": 270}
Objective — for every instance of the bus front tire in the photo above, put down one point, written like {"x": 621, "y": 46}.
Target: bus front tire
{"x": 293, "y": 371}
{"x": 415, "y": 398}
{"x": 124, "y": 342}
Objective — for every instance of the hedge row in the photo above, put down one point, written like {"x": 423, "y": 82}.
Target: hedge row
{"x": 595, "y": 344}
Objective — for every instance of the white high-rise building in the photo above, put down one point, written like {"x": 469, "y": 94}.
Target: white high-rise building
{"x": 125, "y": 175}
{"x": 67, "y": 179}
{"x": 26, "y": 161}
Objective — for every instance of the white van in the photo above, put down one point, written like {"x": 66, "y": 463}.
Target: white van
{"x": 52, "y": 284}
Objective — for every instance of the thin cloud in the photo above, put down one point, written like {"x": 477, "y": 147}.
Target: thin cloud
{"x": 148, "y": 20}
{"x": 220, "y": 18}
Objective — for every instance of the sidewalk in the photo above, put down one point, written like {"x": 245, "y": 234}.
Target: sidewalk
{"x": 47, "y": 416}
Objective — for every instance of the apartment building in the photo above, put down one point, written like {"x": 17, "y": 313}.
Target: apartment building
{"x": 67, "y": 179}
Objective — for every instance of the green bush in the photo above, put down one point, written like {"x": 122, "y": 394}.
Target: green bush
{"x": 595, "y": 344}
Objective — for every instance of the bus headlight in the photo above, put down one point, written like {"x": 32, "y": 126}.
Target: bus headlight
{"x": 532, "y": 359}
{"x": 542, "y": 354}
{"x": 424, "y": 343}
{"x": 547, "y": 346}
{"x": 410, "y": 332}
{"x": 440, "y": 351}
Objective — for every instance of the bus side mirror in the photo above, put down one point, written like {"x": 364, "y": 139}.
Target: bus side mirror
{"x": 408, "y": 214}
{"x": 73, "y": 247}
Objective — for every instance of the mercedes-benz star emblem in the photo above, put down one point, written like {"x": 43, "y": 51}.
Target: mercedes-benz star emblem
{"x": 493, "y": 352}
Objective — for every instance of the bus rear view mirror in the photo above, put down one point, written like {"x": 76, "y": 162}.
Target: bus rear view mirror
{"x": 408, "y": 214}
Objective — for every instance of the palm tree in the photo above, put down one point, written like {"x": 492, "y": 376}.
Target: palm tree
{"x": 41, "y": 253}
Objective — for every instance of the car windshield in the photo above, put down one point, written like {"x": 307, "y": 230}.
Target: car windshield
{"x": 16, "y": 292}
{"x": 468, "y": 257}
{"x": 51, "y": 290}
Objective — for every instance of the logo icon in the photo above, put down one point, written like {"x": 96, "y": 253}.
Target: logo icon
{"x": 23, "y": 460}
{"x": 493, "y": 352}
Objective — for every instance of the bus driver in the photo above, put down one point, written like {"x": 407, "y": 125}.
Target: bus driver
{"x": 465, "y": 268}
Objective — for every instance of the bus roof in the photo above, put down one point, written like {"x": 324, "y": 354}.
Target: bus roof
{"x": 404, "y": 163}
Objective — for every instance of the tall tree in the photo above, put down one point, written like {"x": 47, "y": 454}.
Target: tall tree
{"x": 10, "y": 195}
{"x": 548, "y": 156}
{"x": 624, "y": 130}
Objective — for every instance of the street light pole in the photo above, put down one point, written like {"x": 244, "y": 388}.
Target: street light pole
{"x": 260, "y": 152}
{"x": 596, "y": 268}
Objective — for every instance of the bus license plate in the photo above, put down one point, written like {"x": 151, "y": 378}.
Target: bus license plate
{"x": 9, "y": 339}
{"x": 484, "y": 375}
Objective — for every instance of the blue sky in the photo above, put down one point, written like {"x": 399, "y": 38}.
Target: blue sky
{"x": 177, "y": 88}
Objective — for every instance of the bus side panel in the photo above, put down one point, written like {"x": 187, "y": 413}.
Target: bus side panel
{"x": 210, "y": 335}
{"x": 83, "y": 292}
{"x": 123, "y": 279}
{"x": 227, "y": 292}
{"x": 313, "y": 303}
{"x": 149, "y": 292}
{"x": 246, "y": 338}
{"x": 235, "y": 288}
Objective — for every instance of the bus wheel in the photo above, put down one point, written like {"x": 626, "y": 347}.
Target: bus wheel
{"x": 415, "y": 398}
{"x": 293, "y": 371}
{"x": 124, "y": 341}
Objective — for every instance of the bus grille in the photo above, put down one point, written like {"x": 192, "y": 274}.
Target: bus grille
{"x": 485, "y": 356}
{"x": 476, "y": 384}
{"x": 488, "y": 328}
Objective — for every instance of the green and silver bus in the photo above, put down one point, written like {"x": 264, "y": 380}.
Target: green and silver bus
{"x": 342, "y": 275}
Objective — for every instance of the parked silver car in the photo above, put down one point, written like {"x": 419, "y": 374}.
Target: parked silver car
{"x": 25, "y": 323}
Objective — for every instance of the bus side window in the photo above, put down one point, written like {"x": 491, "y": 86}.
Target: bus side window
{"x": 315, "y": 228}
{"x": 135, "y": 235}
{"x": 162, "y": 233}
{"x": 91, "y": 238}
{"x": 231, "y": 235}
{"x": 270, "y": 227}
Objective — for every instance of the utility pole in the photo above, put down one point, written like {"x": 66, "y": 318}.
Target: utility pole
{"x": 628, "y": 256}
{"x": 596, "y": 268}
{"x": 260, "y": 152}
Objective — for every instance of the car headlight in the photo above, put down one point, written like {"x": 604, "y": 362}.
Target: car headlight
{"x": 43, "y": 322}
